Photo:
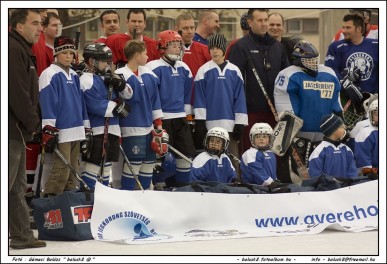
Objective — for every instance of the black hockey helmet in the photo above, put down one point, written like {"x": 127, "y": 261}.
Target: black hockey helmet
{"x": 306, "y": 57}
{"x": 97, "y": 51}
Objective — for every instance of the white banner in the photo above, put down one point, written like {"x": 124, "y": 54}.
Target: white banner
{"x": 137, "y": 217}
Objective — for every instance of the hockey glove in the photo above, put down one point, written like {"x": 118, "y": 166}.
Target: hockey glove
{"x": 371, "y": 173}
{"x": 118, "y": 82}
{"x": 107, "y": 78}
{"x": 353, "y": 74}
{"x": 85, "y": 145}
{"x": 122, "y": 109}
{"x": 353, "y": 92}
{"x": 200, "y": 130}
{"x": 160, "y": 140}
{"x": 237, "y": 132}
{"x": 50, "y": 138}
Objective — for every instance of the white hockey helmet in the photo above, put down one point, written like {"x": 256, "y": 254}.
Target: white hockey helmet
{"x": 373, "y": 107}
{"x": 261, "y": 129}
{"x": 220, "y": 133}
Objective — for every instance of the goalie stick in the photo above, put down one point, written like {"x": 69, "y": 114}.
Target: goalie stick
{"x": 40, "y": 173}
{"x": 301, "y": 168}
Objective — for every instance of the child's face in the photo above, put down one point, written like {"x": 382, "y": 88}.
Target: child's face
{"x": 339, "y": 134}
{"x": 102, "y": 65}
{"x": 375, "y": 118}
{"x": 65, "y": 58}
{"x": 173, "y": 48}
{"x": 215, "y": 143}
{"x": 216, "y": 54}
{"x": 261, "y": 141}
{"x": 142, "y": 58}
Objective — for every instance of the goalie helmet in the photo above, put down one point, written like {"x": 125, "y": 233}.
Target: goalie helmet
{"x": 98, "y": 52}
{"x": 306, "y": 57}
{"x": 219, "y": 133}
{"x": 261, "y": 129}
{"x": 373, "y": 107}
{"x": 164, "y": 39}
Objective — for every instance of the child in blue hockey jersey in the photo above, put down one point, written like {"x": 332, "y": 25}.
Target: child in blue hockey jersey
{"x": 258, "y": 164}
{"x": 331, "y": 157}
{"x": 220, "y": 96}
{"x": 104, "y": 106}
{"x": 175, "y": 89}
{"x": 213, "y": 164}
{"x": 367, "y": 143}
{"x": 64, "y": 110}
{"x": 138, "y": 128}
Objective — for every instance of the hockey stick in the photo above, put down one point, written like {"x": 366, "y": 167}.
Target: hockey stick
{"x": 301, "y": 168}
{"x": 60, "y": 155}
{"x": 40, "y": 173}
{"x": 228, "y": 153}
{"x": 105, "y": 135}
{"x": 76, "y": 43}
{"x": 177, "y": 152}
{"x": 131, "y": 168}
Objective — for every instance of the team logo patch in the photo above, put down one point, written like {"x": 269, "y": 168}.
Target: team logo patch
{"x": 362, "y": 61}
{"x": 136, "y": 150}
{"x": 53, "y": 219}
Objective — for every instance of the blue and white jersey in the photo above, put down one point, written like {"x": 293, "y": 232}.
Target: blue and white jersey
{"x": 220, "y": 96}
{"x": 175, "y": 87}
{"x": 367, "y": 148}
{"x": 62, "y": 103}
{"x": 98, "y": 105}
{"x": 355, "y": 130}
{"x": 365, "y": 56}
{"x": 145, "y": 102}
{"x": 336, "y": 161}
{"x": 309, "y": 98}
{"x": 258, "y": 167}
{"x": 206, "y": 167}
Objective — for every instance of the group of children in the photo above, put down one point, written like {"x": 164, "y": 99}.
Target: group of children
{"x": 128, "y": 108}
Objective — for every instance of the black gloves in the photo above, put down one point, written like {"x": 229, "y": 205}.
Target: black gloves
{"x": 350, "y": 88}
{"x": 122, "y": 109}
{"x": 237, "y": 132}
{"x": 50, "y": 138}
{"x": 200, "y": 130}
{"x": 117, "y": 81}
{"x": 85, "y": 145}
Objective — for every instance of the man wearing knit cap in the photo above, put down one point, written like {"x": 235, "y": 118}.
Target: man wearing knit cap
{"x": 64, "y": 116}
{"x": 220, "y": 81}
{"x": 331, "y": 156}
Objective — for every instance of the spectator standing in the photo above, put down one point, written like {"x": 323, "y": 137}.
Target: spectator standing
{"x": 269, "y": 58}
{"x": 110, "y": 24}
{"x": 208, "y": 24}
{"x": 23, "y": 120}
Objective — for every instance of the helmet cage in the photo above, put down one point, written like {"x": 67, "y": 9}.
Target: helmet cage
{"x": 306, "y": 57}
{"x": 261, "y": 129}
{"x": 218, "y": 133}
{"x": 167, "y": 37}
{"x": 98, "y": 52}
{"x": 373, "y": 108}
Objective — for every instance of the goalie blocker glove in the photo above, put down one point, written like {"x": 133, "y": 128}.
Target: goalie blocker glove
{"x": 160, "y": 140}
{"x": 122, "y": 109}
{"x": 85, "y": 145}
{"x": 50, "y": 136}
{"x": 351, "y": 76}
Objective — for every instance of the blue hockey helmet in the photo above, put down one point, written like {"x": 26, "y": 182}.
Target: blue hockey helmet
{"x": 166, "y": 169}
{"x": 306, "y": 57}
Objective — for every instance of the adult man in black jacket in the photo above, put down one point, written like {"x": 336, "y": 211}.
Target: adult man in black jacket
{"x": 24, "y": 120}
{"x": 269, "y": 58}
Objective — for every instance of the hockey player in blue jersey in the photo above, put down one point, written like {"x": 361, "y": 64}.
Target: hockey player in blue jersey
{"x": 64, "y": 110}
{"x": 309, "y": 90}
{"x": 356, "y": 53}
{"x": 367, "y": 143}
{"x": 258, "y": 164}
{"x": 175, "y": 89}
{"x": 146, "y": 116}
{"x": 104, "y": 108}
{"x": 219, "y": 96}
{"x": 213, "y": 164}
{"x": 331, "y": 157}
